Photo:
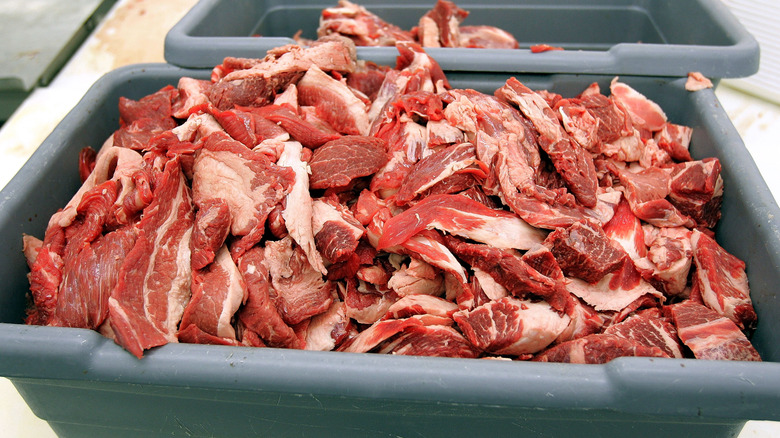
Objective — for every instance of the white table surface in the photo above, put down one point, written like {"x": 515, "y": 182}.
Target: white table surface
{"x": 134, "y": 31}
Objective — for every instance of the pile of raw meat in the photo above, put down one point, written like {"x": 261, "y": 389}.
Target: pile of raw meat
{"x": 309, "y": 200}
{"x": 439, "y": 27}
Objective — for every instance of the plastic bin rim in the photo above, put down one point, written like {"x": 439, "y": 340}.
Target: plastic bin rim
{"x": 612, "y": 386}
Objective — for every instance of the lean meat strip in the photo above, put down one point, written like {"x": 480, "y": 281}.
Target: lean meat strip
{"x": 277, "y": 205}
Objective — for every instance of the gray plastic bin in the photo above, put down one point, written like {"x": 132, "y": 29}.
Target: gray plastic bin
{"x": 85, "y": 385}
{"x": 38, "y": 39}
{"x": 625, "y": 37}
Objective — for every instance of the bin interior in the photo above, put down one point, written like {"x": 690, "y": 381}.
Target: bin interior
{"x": 568, "y": 24}
{"x": 42, "y": 188}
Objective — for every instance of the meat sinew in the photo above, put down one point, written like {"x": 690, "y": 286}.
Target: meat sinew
{"x": 277, "y": 205}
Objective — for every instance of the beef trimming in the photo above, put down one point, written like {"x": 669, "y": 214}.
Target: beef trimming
{"x": 244, "y": 211}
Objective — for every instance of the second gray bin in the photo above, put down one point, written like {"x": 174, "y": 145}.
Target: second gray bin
{"x": 620, "y": 37}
